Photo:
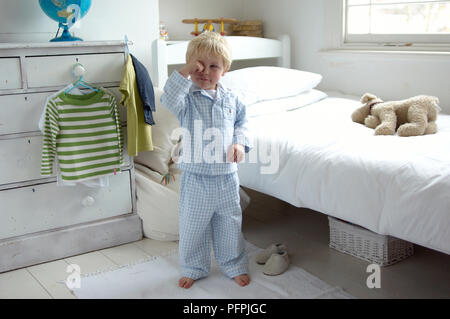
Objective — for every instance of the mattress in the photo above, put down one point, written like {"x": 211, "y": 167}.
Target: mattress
{"x": 316, "y": 157}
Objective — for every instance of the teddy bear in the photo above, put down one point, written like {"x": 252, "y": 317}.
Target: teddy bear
{"x": 410, "y": 117}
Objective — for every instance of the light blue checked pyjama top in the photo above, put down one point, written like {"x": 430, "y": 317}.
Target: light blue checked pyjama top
{"x": 210, "y": 209}
{"x": 200, "y": 114}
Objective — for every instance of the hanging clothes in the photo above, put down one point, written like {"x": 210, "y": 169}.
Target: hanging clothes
{"x": 82, "y": 132}
{"x": 102, "y": 181}
{"x": 139, "y": 132}
{"x": 146, "y": 92}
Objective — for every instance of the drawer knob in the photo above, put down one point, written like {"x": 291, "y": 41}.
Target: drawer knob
{"x": 88, "y": 201}
{"x": 78, "y": 70}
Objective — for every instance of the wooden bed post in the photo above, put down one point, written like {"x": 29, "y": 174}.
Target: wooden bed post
{"x": 285, "y": 59}
{"x": 160, "y": 62}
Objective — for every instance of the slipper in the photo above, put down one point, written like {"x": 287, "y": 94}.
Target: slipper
{"x": 277, "y": 264}
{"x": 263, "y": 256}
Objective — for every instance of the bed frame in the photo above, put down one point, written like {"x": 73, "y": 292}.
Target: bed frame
{"x": 243, "y": 48}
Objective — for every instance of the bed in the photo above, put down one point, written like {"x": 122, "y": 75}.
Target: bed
{"x": 309, "y": 153}
{"x": 388, "y": 184}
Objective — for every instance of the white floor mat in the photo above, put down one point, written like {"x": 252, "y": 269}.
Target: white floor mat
{"x": 158, "y": 278}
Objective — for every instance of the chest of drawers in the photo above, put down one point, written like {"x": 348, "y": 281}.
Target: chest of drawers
{"x": 40, "y": 221}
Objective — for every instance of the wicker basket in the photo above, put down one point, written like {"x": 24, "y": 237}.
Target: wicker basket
{"x": 362, "y": 243}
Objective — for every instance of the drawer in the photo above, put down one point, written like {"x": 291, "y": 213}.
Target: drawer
{"x": 21, "y": 159}
{"x": 21, "y": 112}
{"x": 43, "y": 207}
{"x": 10, "y": 75}
{"x": 47, "y": 71}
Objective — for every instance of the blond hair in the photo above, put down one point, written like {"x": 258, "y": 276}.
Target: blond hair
{"x": 210, "y": 43}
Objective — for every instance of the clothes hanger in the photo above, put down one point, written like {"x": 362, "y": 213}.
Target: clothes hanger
{"x": 79, "y": 70}
{"x": 82, "y": 83}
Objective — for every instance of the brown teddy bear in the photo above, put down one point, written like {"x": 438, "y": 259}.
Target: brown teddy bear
{"x": 411, "y": 117}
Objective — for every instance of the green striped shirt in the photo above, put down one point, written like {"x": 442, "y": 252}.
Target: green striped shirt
{"x": 83, "y": 133}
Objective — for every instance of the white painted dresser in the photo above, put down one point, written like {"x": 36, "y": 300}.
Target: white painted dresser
{"x": 40, "y": 221}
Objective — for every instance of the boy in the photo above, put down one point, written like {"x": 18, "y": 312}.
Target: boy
{"x": 209, "y": 198}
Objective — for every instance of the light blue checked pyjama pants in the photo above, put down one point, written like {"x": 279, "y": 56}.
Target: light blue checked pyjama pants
{"x": 210, "y": 210}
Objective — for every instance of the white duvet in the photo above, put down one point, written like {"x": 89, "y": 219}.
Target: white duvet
{"x": 398, "y": 186}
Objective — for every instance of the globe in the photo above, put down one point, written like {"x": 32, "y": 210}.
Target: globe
{"x": 66, "y": 13}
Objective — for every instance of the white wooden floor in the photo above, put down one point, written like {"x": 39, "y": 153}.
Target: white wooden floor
{"x": 267, "y": 220}
{"x": 45, "y": 281}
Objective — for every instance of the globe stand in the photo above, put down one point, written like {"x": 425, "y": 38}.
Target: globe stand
{"x": 65, "y": 36}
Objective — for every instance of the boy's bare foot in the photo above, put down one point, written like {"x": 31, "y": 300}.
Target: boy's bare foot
{"x": 185, "y": 282}
{"x": 242, "y": 280}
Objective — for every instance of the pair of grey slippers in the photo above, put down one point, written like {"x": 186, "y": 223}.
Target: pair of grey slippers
{"x": 274, "y": 258}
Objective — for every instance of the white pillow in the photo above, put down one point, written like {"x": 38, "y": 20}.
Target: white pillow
{"x": 157, "y": 204}
{"x": 257, "y": 84}
{"x": 285, "y": 104}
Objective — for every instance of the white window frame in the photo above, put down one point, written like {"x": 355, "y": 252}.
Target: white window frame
{"x": 410, "y": 42}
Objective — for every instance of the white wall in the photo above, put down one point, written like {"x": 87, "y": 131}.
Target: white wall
{"x": 24, "y": 21}
{"x": 172, "y": 12}
{"x": 310, "y": 23}
{"x": 312, "y": 27}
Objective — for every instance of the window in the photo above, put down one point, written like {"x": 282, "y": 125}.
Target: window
{"x": 397, "y": 22}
